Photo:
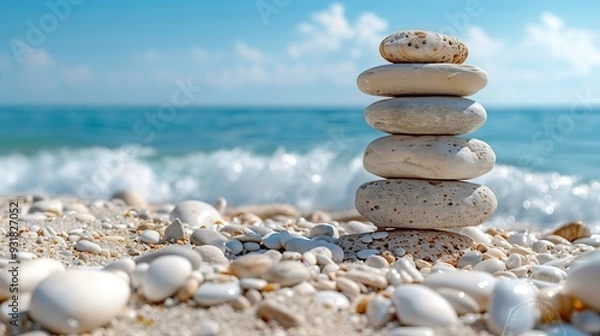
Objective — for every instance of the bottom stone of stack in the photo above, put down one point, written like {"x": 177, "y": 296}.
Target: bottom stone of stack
{"x": 429, "y": 245}
{"x": 424, "y": 204}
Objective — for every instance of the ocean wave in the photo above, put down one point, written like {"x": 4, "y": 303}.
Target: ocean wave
{"x": 319, "y": 179}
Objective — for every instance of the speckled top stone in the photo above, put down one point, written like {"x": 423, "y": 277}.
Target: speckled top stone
{"x": 419, "y": 46}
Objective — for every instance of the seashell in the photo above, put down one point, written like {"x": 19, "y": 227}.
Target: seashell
{"x": 573, "y": 230}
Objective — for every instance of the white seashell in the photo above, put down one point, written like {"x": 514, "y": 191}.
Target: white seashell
{"x": 78, "y": 301}
{"x": 417, "y": 305}
{"x": 512, "y": 307}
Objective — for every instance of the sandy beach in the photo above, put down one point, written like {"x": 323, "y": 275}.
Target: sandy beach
{"x": 117, "y": 228}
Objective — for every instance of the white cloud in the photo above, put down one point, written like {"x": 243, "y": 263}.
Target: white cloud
{"x": 576, "y": 47}
{"x": 481, "y": 44}
{"x": 547, "y": 51}
{"x": 37, "y": 58}
{"x": 77, "y": 75}
{"x": 329, "y": 30}
{"x": 249, "y": 53}
{"x": 369, "y": 29}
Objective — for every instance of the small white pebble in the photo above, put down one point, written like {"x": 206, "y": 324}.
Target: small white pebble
{"x": 150, "y": 237}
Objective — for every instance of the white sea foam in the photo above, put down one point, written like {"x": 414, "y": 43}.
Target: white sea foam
{"x": 317, "y": 179}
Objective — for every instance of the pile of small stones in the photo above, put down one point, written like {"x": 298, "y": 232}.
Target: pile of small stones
{"x": 84, "y": 273}
{"x": 423, "y": 162}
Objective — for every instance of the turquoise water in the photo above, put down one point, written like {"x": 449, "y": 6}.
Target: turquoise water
{"x": 547, "y": 172}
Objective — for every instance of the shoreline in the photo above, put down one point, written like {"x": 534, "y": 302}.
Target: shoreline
{"x": 117, "y": 229}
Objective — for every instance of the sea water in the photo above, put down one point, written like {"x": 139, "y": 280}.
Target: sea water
{"x": 547, "y": 168}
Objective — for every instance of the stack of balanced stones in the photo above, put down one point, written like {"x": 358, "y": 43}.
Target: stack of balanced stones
{"x": 423, "y": 162}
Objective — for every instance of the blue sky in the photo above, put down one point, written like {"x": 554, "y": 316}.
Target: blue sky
{"x": 282, "y": 52}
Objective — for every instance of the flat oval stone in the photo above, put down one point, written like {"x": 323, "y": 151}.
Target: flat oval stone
{"x": 582, "y": 282}
{"x": 417, "y": 305}
{"x": 150, "y": 237}
{"x": 212, "y": 254}
{"x": 287, "y": 273}
{"x": 210, "y": 294}
{"x": 251, "y": 266}
{"x": 87, "y": 246}
{"x": 512, "y": 308}
{"x": 207, "y": 237}
{"x": 164, "y": 277}
{"x": 195, "y": 213}
{"x": 428, "y": 157}
{"x": 426, "y": 115}
{"x": 77, "y": 301}
{"x": 425, "y": 204}
{"x": 413, "y": 79}
{"x": 420, "y": 46}
{"x": 430, "y": 245}
{"x": 476, "y": 284}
